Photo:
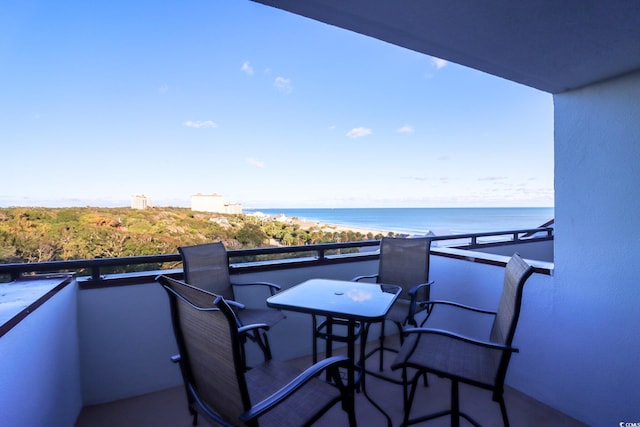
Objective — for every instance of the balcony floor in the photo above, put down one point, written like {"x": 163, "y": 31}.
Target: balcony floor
{"x": 168, "y": 408}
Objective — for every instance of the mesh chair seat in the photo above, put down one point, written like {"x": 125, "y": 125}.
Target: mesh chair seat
{"x": 266, "y": 379}
{"x": 251, "y": 316}
{"x": 442, "y": 354}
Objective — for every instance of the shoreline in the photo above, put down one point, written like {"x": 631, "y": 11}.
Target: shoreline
{"x": 414, "y": 222}
{"x": 307, "y": 224}
{"x": 321, "y": 226}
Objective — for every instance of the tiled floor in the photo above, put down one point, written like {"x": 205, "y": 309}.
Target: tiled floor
{"x": 168, "y": 408}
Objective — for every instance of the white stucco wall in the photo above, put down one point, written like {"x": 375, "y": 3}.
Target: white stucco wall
{"x": 126, "y": 341}
{"x": 595, "y": 372}
{"x": 39, "y": 365}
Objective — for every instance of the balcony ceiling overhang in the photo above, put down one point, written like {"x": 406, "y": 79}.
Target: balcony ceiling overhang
{"x": 549, "y": 45}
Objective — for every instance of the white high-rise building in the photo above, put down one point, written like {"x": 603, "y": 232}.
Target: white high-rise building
{"x": 140, "y": 201}
{"x": 214, "y": 203}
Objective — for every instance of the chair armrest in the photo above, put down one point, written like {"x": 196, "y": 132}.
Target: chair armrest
{"x": 413, "y": 293}
{"x": 460, "y": 337}
{"x": 248, "y": 328}
{"x": 458, "y": 305}
{"x": 309, "y": 374}
{"x": 235, "y": 304}
{"x": 273, "y": 288}
{"x": 369, "y": 276}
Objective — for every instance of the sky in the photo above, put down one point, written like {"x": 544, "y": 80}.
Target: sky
{"x": 103, "y": 100}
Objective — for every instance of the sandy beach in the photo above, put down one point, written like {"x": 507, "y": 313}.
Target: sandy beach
{"x": 320, "y": 226}
{"x": 307, "y": 225}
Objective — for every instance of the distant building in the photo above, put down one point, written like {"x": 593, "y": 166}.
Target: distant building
{"x": 214, "y": 203}
{"x": 140, "y": 201}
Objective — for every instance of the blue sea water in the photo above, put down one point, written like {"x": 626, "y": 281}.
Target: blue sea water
{"x": 418, "y": 221}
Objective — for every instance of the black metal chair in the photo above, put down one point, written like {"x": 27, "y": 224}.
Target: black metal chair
{"x": 206, "y": 266}
{"x": 220, "y": 389}
{"x": 464, "y": 359}
{"x": 403, "y": 262}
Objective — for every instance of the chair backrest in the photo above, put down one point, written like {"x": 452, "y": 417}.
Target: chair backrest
{"x": 404, "y": 262}
{"x": 516, "y": 274}
{"x": 210, "y": 349}
{"x": 206, "y": 266}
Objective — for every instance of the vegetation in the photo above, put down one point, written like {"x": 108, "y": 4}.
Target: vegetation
{"x": 49, "y": 234}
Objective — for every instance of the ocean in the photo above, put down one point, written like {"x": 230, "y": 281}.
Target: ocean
{"x": 420, "y": 221}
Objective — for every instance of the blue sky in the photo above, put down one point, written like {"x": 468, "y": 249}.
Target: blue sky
{"x": 103, "y": 100}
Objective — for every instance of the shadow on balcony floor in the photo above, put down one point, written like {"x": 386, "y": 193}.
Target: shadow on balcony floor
{"x": 168, "y": 408}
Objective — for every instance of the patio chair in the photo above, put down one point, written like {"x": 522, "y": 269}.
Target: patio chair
{"x": 403, "y": 262}
{"x": 220, "y": 389}
{"x": 206, "y": 266}
{"x": 464, "y": 359}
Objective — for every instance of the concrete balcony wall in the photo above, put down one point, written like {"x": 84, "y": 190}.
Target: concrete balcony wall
{"x": 597, "y": 129}
{"x": 40, "y": 370}
{"x": 126, "y": 340}
{"x": 541, "y": 251}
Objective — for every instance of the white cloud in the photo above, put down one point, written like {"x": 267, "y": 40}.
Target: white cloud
{"x": 163, "y": 89}
{"x": 248, "y": 69}
{"x": 200, "y": 124}
{"x": 359, "y": 132}
{"x": 283, "y": 85}
{"x": 255, "y": 162}
{"x": 405, "y": 129}
{"x": 439, "y": 63}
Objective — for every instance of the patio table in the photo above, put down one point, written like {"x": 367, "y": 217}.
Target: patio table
{"x": 351, "y": 302}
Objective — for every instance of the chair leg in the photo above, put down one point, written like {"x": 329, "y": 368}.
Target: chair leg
{"x": 329, "y": 341}
{"x": 400, "y": 327}
{"x": 243, "y": 352}
{"x": 314, "y": 343}
{"x": 191, "y": 403}
{"x": 408, "y": 395}
{"x": 363, "y": 343}
{"x": 364, "y": 333}
{"x": 263, "y": 343}
{"x": 352, "y": 417}
{"x": 455, "y": 404}
{"x": 381, "y": 339}
{"x": 190, "y": 398}
{"x": 503, "y": 409}
{"x": 329, "y": 345}
{"x": 429, "y": 308}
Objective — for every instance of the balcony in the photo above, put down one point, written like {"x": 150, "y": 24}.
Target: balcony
{"x": 94, "y": 350}
{"x": 167, "y": 408}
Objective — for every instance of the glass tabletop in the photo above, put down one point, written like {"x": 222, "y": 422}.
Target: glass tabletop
{"x": 338, "y": 298}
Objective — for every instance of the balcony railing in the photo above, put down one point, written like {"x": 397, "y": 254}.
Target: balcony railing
{"x": 271, "y": 258}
